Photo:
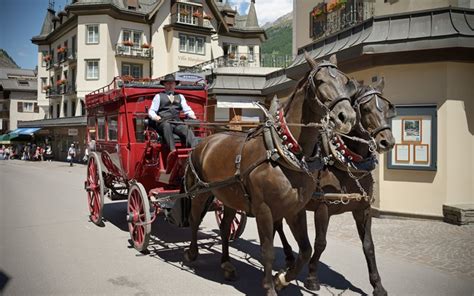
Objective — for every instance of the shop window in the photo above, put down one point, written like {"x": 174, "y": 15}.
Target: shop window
{"x": 112, "y": 128}
{"x": 221, "y": 114}
{"x": 101, "y": 128}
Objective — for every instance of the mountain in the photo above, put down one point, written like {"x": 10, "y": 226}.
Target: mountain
{"x": 280, "y": 36}
{"x": 6, "y": 61}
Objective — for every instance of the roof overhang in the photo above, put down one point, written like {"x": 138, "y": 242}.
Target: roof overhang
{"x": 55, "y": 122}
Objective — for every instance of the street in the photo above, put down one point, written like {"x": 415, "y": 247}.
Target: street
{"x": 49, "y": 247}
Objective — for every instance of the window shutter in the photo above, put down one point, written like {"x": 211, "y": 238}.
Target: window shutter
{"x": 36, "y": 108}
{"x": 20, "y": 107}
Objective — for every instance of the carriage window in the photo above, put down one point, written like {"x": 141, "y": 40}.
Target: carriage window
{"x": 101, "y": 128}
{"x": 139, "y": 125}
{"x": 91, "y": 128}
{"x": 112, "y": 128}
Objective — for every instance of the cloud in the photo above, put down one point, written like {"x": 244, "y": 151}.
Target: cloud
{"x": 267, "y": 10}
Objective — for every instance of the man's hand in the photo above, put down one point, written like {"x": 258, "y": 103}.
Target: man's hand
{"x": 157, "y": 118}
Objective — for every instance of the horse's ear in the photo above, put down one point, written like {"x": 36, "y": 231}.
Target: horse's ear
{"x": 352, "y": 87}
{"x": 311, "y": 62}
{"x": 333, "y": 59}
{"x": 379, "y": 85}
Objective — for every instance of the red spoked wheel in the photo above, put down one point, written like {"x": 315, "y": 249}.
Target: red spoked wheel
{"x": 95, "y": 189}
{"x": 238, "y": 223}
{"x": 139, "y": 217}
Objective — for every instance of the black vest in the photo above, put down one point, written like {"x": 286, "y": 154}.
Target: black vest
{"x": 170, "y": 110}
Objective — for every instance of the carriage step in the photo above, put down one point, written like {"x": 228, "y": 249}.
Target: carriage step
{"x": 157, "y": 194}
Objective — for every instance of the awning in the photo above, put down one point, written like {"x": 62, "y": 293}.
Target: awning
{"x": 235, "y": 104}
{"x": 26, "y": 131}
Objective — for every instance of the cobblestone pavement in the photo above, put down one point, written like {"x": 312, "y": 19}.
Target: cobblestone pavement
{"x": 446, "y": 247}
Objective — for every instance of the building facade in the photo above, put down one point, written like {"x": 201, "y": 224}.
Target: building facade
{"x": 18, "y": 98}
{"x": 83, "y": 47}
{"x": 424, "y": 51}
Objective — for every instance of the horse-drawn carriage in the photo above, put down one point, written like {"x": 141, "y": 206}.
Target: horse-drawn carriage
{"x": 128, "y": 160}
{"x": 329, "y": 124}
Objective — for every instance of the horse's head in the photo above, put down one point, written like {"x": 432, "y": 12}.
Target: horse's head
{"x": 375, "y": 112}
{"x": 332, "y": 91}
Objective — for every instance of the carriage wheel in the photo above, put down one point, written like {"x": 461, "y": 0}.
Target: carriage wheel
{"x": 238, "y": 224}
{"x": 139, "y": 218}
{"x": 95, "y": 192}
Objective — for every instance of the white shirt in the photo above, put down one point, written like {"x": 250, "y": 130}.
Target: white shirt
{"x": 155, "y": 106}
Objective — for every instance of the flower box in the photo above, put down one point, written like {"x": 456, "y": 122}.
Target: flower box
{"x": 146, "y": 45}
{"x": 197, "y": 14}
{"x": 61, "y": 49}
{"x": 47, "y": 58}
{"x": 47, "y": 87}
{"x": 61, "y": 82}
{"x": 231, "y": 55}
{"x": 243, "y": 58}
{"x": 128, "y": 43}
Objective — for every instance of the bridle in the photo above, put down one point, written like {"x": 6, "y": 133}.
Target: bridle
{"x": 365, "y": 98}
{"x": 332, "y": 68}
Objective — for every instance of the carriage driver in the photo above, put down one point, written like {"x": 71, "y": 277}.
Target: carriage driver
{"x": 166, "y": 107}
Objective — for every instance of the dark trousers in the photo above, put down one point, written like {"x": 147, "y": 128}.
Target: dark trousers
{"x": 166, "y": 130}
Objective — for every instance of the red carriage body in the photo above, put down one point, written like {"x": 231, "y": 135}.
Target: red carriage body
{"x": 127, "y": 159}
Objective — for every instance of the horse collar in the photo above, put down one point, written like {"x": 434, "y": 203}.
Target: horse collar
{"x": 286, "y": 135}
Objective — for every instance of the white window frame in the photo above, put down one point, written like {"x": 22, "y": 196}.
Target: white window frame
{"x": 26, "y": 107}
{"x": 95, "y": 37}
{"x": 194, "y": 39}
{"x": 130, "y": 69}
{"x": 189, "y": 18}
{"x": 131, "y": 37}
{"x": 88, "y": 77}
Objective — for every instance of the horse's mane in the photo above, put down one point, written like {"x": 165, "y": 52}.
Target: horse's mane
{"x": 302, "y": 83}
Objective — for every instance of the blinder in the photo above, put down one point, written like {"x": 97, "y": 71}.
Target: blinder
{"x": 388, "y": 114}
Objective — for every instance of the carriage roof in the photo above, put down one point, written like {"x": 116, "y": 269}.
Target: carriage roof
{"x": 120, "y": 88}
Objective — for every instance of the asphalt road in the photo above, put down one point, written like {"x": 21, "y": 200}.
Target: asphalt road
{"x": 48, "y": 247}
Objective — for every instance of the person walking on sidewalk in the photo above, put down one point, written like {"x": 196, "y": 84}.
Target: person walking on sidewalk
{"x": 71, "y": 154}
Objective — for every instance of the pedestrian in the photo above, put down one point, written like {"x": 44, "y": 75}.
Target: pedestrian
{"x": 71, "y": 154}
{"x": 86, "y": 154}
{"x": 7, "y": 152}
{"x": 49, "y": 153}
{"x": 2, "y": 152}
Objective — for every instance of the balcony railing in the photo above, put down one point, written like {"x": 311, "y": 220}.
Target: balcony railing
{"x": 59, "y": 90}
{"x": 131, "y": 51}
{"x": 244, "y": 60}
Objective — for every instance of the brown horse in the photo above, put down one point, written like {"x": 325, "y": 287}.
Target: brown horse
{"x": 373, "y": 114}
{"x": 244, "y": 174}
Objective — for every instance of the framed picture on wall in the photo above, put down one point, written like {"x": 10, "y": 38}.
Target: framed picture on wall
{"x": 415, "y": 133}
{"x": 402, "y": 153}
{"x": 421, "y": 153}
{"x": 412, "y": 129}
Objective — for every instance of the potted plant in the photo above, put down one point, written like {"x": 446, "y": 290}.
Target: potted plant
{"x": 184, "y": 12}
{"x": 61, "y": 49}
{"x": 243, "y": 57}
{"x": 47, "y": 58}
{"x": 47, "y": 87}
{"x": 146, "y": 45}
{"x": 231, "y": 55}
{"x": 128, "y": 43}
{"x": 127, "y": 78}
{"x": 197, "y": 14}
{"x": 60, "y": 82}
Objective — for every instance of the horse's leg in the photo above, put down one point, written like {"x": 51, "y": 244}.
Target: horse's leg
{"x": 321, "y": 222}
{"x": 264, "y": 219}
{"x": 198, "y": 204}
{"x": 226, "y": 265}
{"x": 363, "y": 220}
{"x": 299, "y": 228}
{"x": 289, "y": 258}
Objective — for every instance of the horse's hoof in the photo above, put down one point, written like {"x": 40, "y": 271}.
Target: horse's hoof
{"x": 312, "y": 284}
{"x": 279, "y": 281}
{"x": 380, "y": 291}
{"x": 190, "y": 256}
{"x": 230, "y": 273}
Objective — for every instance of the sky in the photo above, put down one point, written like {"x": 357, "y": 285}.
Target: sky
{"x": 20, "y": 20}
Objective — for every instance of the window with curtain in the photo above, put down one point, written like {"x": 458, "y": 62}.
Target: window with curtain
{"x": 92, "y": 34}
{"x": 92, "y": 69}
